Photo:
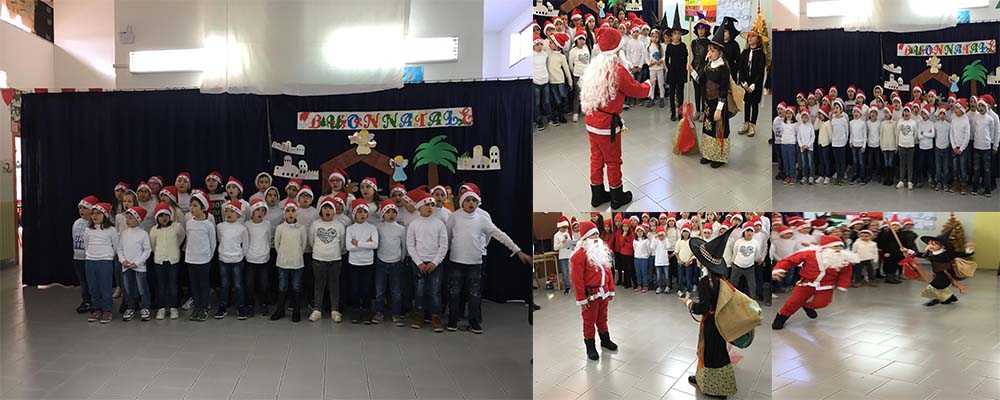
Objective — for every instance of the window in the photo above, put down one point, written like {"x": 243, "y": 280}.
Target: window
{"x": 520, "y": 45}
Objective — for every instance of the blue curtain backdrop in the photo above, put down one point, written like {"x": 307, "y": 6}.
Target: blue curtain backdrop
{"x": 75, "y": 144}
{"x": 806, "y": 60}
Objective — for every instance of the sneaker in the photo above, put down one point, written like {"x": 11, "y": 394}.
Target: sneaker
{"x": 826, "y": 181}
{"x": 452, "y": 326}
{"x": 128, "y": 315}
{"x": 117, "y": 293}
{"x": 398, "y": 320}
{"x": 680, "y": 293}
{"x": 337, "y": 316}
{"x": 161, "y": 313}
{"x": 174, "y": 313}
{"x": 475, "y": 328}
{"x": 83, "y": 308}
{"x": 899, "y": 185}
{"x": 658, "y": 290}
{"x": 193, "y": 316}
{"x": 94, "y": 316}
{"x": 106, "y": 317}
{"x": 540, "y": 127}
{"x": 202, "y": 315}
{"x": 241, "y": 313}
{"x": 909, "y": 185}
{"x": 315, "y": 315}
{"x": 643, "y": 290}
{"x": 377, "y": 318}
{"x": 221, "y": 312}
{"x": 144, "y": 314}
{"x": 436, "y": 324}
{"x": 576, "y": 117}
{"x": 188, "y": 304}
{"x": 416, "y": 322}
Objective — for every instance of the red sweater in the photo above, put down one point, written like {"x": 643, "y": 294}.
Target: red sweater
{"x": 625, "y": 243}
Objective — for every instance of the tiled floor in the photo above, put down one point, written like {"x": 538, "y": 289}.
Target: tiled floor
{"x": 658, "y": 178}
{"x": 657, "y": 341}
{"x": 830, "y": 197}
{"x": 51, "y": 352}
{"x": 881, "y": 343}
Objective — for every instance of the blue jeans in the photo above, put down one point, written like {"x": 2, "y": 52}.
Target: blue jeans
{"x": 361, "y": 283}
{"x": 559, "y": 95}
{"x": 807, "y": 163}
{"x": 285, "y": 274}
{"x": 888, "y": 159}
{"x": 427, "y": 290}
{"x": 981, "y": 163}
{"x": 823, "y": 161}
{"x": 99, "y": 280}
{"x": 230, "y": 273}
{"x": 788, "y": 159}
{"x": 641, "y": 267}
{"x": 136, "y": 288}
{"x": 540, "y": 97}
{"x": 942, "y": 158}
{"x": 464, "y": 284}
{"x": 960, "y": 165}
{"x": 840, "y": 156}
{"x": 858, "y": 157}
{"x": 166, "y": 284}
{"x": 390, "y": 274}
{"x": 661, "y": 276}
{"x": 198, "y": 275}
{"x": 564, "y": 271}
{"x": 689, "y": 276}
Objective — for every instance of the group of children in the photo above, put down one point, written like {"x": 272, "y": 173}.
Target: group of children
{"x": 943, "y": 143}
{"x": 565, "y": 45}
{"x": 653, "y": 253}
{"x": 346, "y": 243}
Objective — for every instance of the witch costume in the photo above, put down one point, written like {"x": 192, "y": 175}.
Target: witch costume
{"x": 677, "y": 58}
{"x": 715, "y": 375}
{"x": 714, "y": 83}
{"x": 699, "y": 50}
{"x": 942, "y": 262}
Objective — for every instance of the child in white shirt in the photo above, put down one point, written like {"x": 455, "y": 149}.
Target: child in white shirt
{"x": 867, "y": 251}
{"x": 362, "y": 240}
{"x": 326, "y": 235}
{"x": 924, "y": 168}
{"x": 859, "y": 143}
{"x": 687, "y": 264}
{"x": 389, "y": 264}
{"x": 165, "y": 241}
{"x": 873, "y": 153}
{"x": 838, "y": 140}
{"x": 804, "y": 137}
{"x": 101, "y": 242}
{"x": 563, "y": 243}
{"x": 942, "y": 149}
{"x": 641, "y": 251}
{"x": 133, "y": 252}
{"x": 80, "y": 250}
{"x": 745, "y": 250}
{"x": 426, "y": 244}
{"x": 258, "y": 257}
{"x": 906, "y": 136}
{"x": 658, "y": 247}
{"x": 234, "y": 238}
{"x": 198, "y": 252}
{"x": 290, "y": 241}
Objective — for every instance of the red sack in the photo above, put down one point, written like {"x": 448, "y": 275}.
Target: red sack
{"x": 685, "y": 140}
{"x": 910, "y": 269}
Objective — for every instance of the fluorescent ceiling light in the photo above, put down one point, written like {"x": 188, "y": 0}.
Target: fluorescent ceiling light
{"x": 970, "y": 3}
{"x": 433, "y": 49}
{"x": 177, "y": 60}
{"x": 3, "y": 78}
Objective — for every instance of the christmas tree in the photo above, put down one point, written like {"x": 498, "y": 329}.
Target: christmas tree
{"x": 956, "y": 233}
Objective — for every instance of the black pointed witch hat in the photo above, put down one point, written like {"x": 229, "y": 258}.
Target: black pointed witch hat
{"x": 709, "y": 254}
{"x": 728, "y": 23}
{"x": 677, "y": 21}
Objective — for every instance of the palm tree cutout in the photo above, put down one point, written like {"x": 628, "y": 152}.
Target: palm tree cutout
{"x": 433, "y": 153}
{"x": 974, "y": 73}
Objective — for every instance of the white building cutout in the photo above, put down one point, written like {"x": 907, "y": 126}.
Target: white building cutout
{"x": 480, "y": 162}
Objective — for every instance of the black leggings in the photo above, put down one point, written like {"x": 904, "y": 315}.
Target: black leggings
{"x": 750, "y": 110}
{"x": 676, "y": 95}
{"x": 697, "y": 97}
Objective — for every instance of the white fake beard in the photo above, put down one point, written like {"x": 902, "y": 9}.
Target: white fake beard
{"x": 598, "y": 84}
{"x": 832, "y": 259}
{"x": 598, "y": 252}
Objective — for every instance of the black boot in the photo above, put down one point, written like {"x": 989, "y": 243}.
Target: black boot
{"x": 606, "y": 341}
{"x": 83, "y": 308}
{"x": 811, "y": 313}
{"x": 591, "y": 349}
{"x": 933, "y": 302}
{"x": 296, "y": 316}
{"x": 279, "y": 311}
{"x": 950, "y": 300}
{"x": 619, "y": 197}
{"x": 598, "y": 195}
{"x": 767, "y": 295}
{"x": 779, "y": 322}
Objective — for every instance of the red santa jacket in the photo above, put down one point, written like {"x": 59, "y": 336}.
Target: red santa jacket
{"x": 590, "y": 282}
{"x": 811, "y": 275}
{"x": 599, "y": 121}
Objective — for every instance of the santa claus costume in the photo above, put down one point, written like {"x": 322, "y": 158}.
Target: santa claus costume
{"x": 594, "y": 286}
{"x": 603, "y": 89}
{"x": 823, "y": 268}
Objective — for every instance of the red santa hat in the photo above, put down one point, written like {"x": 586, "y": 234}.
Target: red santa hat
{"x": 289, "y": 203}
{"x": 138, "y": 212}
{"x": 537, "y": 39}
{"x": 371, "y": 181}
{"x": 183, "y": 175}
{"x": 270, "y": 188}
{"x": 812, "y": 96}
{"x": 866, "y": 230}
{"x": 580, "y": 33}
{"x": 170, "y": 192}
{"x": 633, "y": 220}
{"x": 549, "y": 24}
{"x": 306, "y": 190}
{"x": 337, "y": 173}
{"x": 327, "y": 201}
{"x": 825, "y": 110}
{"x": 294, "y": 182}
{"x": 859, "y": 110}
{"x": 932, "y": 92}
{"x": 157, "y": 179}
{"x": 142, "y": 185}
{"x": 162, "y": 208}
{"x": 926, "y": 109}
{"x": 590, "y": 17}
{"x": 917, "y": 88}
{"x": 608, "y": 40}
{"x": 686, "y": 227}
{"x": 340, "y": 197}
{"x": 257, "y": 203}
{"x": 121, "y": 185}
{"x": 781, "y": 106}
{"x": 839, "y": 102}
{"x": 587, "y": 229}
{"x": 805, "y": 112}
{"x": 907, "y": 107}
{"x": 561, "y": 40}
{"x": 420, "y": 197}
{"x": 262, "y": 174}
{"x": 472, "y": 190}
{"x": 642, "y": 227}
{"x": 198, "y": 194}
{"x": 819, "y": 223}
{"x": 235, "y": 182}
{"x": 832, "y": 89}
{"x": 563, "y": 222}
{"x": 894, "y": 220}
{"x": 787, "y": 231}
{"x": 707, "y": 226}
{"x": 573, "y": 222}
{"x": 671, "y": 216}
{"x": 860, "y": 95}
{"x": 827, "y": 241}
{"x": 907, "y": 221}
{"x": 213, "y": 176}
{"x": 89, "y": 201}
{"x": 576, "y": 15}
{"x": 397, "y": 187}
{"x": 962, "y": 104}
{"x": 748, "y": 226}
{"x": 856, "y": 221}
{"x": 989, "y": 100}
{"x": 982, "y": 100}
{"x": 800, "y": 96}
{"x": 234, "y": 205}
{"x": 103, "y": 208}
{"x": 387, "y": 205}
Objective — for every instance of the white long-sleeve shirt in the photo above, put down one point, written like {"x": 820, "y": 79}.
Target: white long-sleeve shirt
{"x": 233, "y": 241}
{"x": 745, "y": 252}
{"x": 259, "y": 246}
{"x": 925, "y": 134}
{"x": 684, "y": 254}
{"x": 996, "y": 128}
{"x": 874, "y": 134}
{"x": 465, "y": 231}
{"x": 201, "y": 241}
{"x": 789, "y": 135}
{"x": 290, "y": 243}
{"x": 563, "y": 243}
{"x": 961, "y": 131}
{"x": 134, "y": 247}
{"x": 867, "y": 249}
{"x": 659, "y": 250}
{"x": 839, "y": 131}
{"x": 635, "y": 52}
{"x": 804, "y": 135}
{"x": 305, "y": 217}
{"x": 942, "y": 130}
{"x": 327, "y": 240}
{"x": 641, "y": 248}
{"x": 540, "y": 67}
{"x": 362, "y": 253}
{"x": 166, "y": 243}
{"x": 906, "y": 133}
{"x": 79, "y": 248}
{"x": 984, "y": 131}
{"x": 859, "y": 133}
{"x": 391, "y": 242}
{"x": 579, "y": 59}
{"x": 427, "y": 240}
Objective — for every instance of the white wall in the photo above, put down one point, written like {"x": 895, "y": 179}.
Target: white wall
{"x": 791, "y": 14}
{"x": 462, "y": 18}
{"x": 85, "y": 44}
{"x": 496, "y": 50}
{"x": 27, "y": 59}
